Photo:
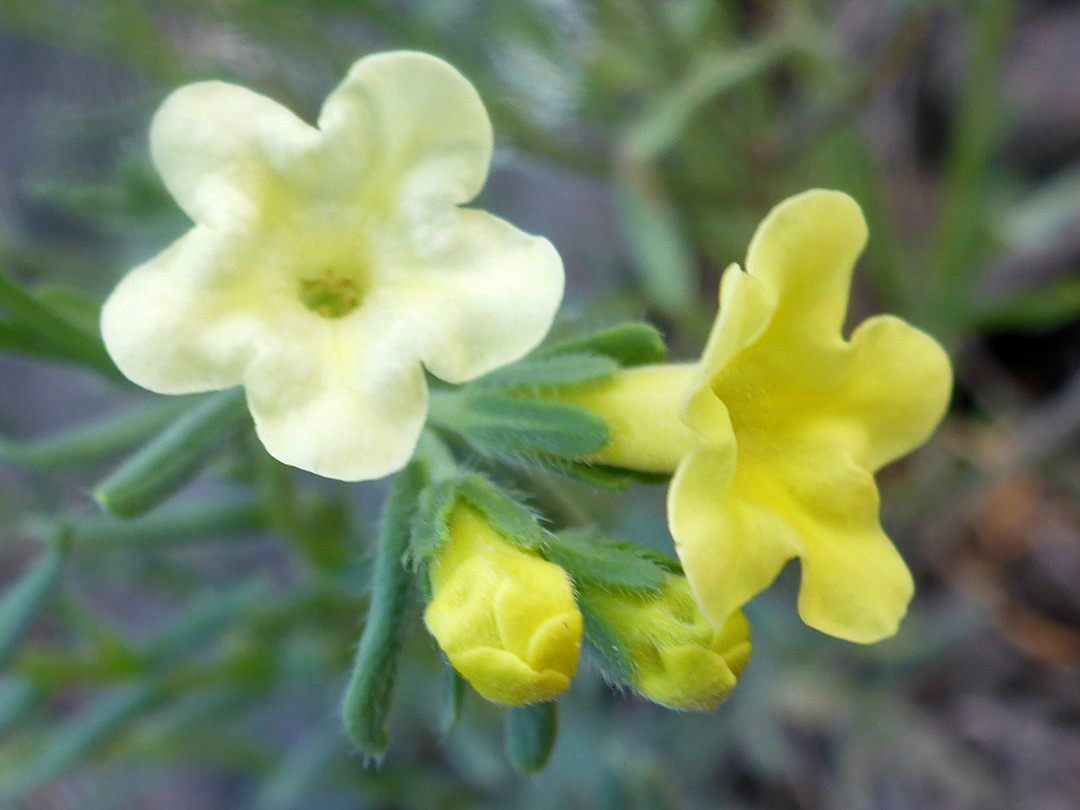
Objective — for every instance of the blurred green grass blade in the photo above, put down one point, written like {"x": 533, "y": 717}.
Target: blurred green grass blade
{"x": 663, "y": 256}
{"x": 209, "y": 618}
{"x": 94, "y": 442}
{"x": 51, "y": 327}
{"x": 173, "y": 458}
{"x": 1051, "y": 306}
{"x": 17, "y": 340}
{"x": 370, "y": 689}
{"x": 73, "y": 742}
{"x": 300, "y": 775}
{"x": 1031, "y": 224}
{"x": 18, "y": 698}
{"x": 23, "y": 601}
{"x": 531, "y": 732}
{"x": 197, "y": 521}
{"x": 712, "y": 74}
{"x": 963, "y": 220}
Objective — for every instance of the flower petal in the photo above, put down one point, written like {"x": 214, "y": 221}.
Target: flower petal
{"x": 174, "y": 325}
{"x": 217, "y": 147}
{"x": 484, "y": 296}
{"x": 345, "y": 399}
{"x": 804, "y": 252}
{"x": 730, "y": 548}
{"x": 854, "y": 583}
{"x": 746, "y": 309}
{"x": 415, "y": 120}
{"x": 897, "y": 389}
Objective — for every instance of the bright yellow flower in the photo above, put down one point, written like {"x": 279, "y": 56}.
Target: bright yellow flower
{"x": 505, "y": 618}
{"x": 776, "y": 433}
{"x": 329, "y": 265}
{"x": 678, "y": 660}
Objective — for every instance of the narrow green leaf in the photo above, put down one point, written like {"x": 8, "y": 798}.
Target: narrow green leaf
{"x": 370, "y": 689}
{"x": 628, "y": 344}
{"x": 509, "y": 425}
{"x": 592, "y": 559}
{"x": 79, "y": 309}
{"x": 18, "y": 698}
{"x": 1048, "y": 307}
{"x": 83, "y": 736}
{"x": 429, "y": 530}
{"x": 664, "y": 259}
{"x": 16, "y": 339}
{"x": 174, "y": 457}
{"x": 52, "y": 328}
{"x": 598, "y": 475}
{"x": 24, "y": 600}
{"x": 612, "y": 657}
{"x": 453, "y": 695}
{"x": 94, "y": 442}
{"x": 197, "y": 521}
{"x": 510, "y": 518}
{"x": 550, "y": 372}
{"x": 531, "y": 732}
{"x": 301, "y": 774}
{"x": 209, "y": 618}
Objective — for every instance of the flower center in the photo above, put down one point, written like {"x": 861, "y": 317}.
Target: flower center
{"x": 330, "y": 295}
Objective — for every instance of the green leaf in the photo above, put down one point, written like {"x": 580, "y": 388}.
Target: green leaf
{"x": 550, "y": 372}
{"x": 597, "y": 475}
{"x": 531, "y": 732}
{"x": 595, "y": 560}
{"x": 615, "y": 663}
{"x": 24, "y": 600}
{"x": 433, "y": 513}
{"x": 174, "y": 457}
{"x": 506, "y": 514}
{"x": 516, "y": 426}
{"x": 664, "y": 258}
{"x": 370, "y": 689}
{"x": 211, "y": 617}
{"x": 303, "y": 771}
{"x": 197, "y": 521}
{"x": 629, "y": 344}
{"x": 453, "y": 695}
{"x": 51, "y": 327}
{"x": 18, "y": 698}
{"x": 1051, "y": 306}
{"x": 84, "y": 735}
{"x": 97, "y": 441}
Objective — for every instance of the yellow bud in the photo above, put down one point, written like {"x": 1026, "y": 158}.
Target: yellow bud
{"x": 678, "y": 660}
{"x": 505, "y": 618}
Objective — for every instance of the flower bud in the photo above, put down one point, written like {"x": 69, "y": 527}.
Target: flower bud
{"x": 505, "y": 618}
{"x": 677, "y": 659}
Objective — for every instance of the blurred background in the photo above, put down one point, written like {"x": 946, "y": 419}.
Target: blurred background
{"x": 194, "y": 658}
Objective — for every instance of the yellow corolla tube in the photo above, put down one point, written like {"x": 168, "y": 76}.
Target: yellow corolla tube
{"x": 676, "y": 658}
{"x": 505, "y": 618}
{"x": 775, "y": 434}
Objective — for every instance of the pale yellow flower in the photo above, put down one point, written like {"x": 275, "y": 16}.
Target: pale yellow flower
{"x": 676, "y": 658}
{"x": 774, "y": 436}
{"x": 505, "y": 618}
{"x": 329, "y": 265}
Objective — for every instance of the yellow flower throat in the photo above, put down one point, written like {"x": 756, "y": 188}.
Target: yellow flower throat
{"x": 330, "y": 295}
